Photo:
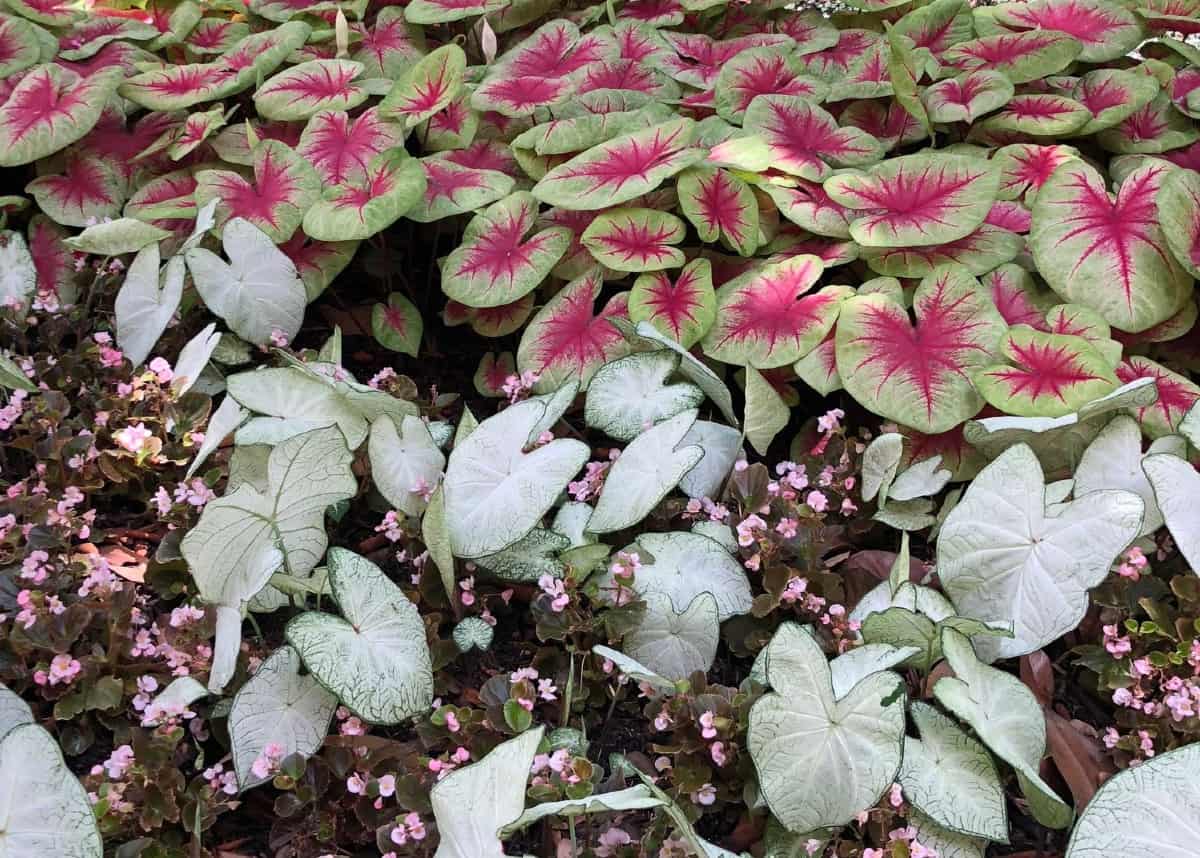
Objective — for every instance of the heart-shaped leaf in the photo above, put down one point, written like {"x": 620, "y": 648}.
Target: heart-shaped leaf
{"x": 285, "y": 186}
{"x": 49, "y": 109}
{"x": 1178, "y": 203}
{"x": 302, "y": 91}
{"x": 427, "y": 87}
{"x": 1105, "y": 31}
{"x": 405, "y": 462}
{"x": 1021, "y": 57}
{"x": 374, "y": 657}
{"x": 1112, "y": 96}
{"x": 86, "y": 191}
{"x": 762, "y": 71}
{"x": 805, "y": 140}
{"x": 340, "y": 149}
{"x": 683, "y": 309}
{"x": 676, "y": 644}
{"x": 720, "y": 206}
{"x": 452, "y": 189}
{"x": 629, "y": 395}
{"x": 1114, "y": 461}
{"x": 1038, "y": 114}
{"x": 967, "y": 97}
{"x": 146, "y": 303}
{"x": 367, "y": 204}
{"x": 631, "y": 239}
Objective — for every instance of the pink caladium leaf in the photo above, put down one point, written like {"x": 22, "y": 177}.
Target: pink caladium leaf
{"x": 341, "y": 149}
{"x": 684, "y": 308}
{"x": 1105, "y": 31}
{"x": 938, "y": 26}
{"x": 959, "y": 456}
{"x": 554, "y": 50}
{"x": 621, "y": 169}
{"x": 521, "y": 96}
{"x": 810, "y": 208}
{"x": 86, "y": 191}
{"x": 302, "y": 91}
{"x": 116, "y": 55}
{"x": 193, "y": 132}
{"x": 1174, "y": 328}
{"x": 86, "y": 38}
{"x": 497, "y": 263}
{"x": 283, "y": 189}
{"x": 629, "y": 76}
{"x": 397, "y": 325}
{"x": 967, "y": 97}
{"x": 1108, "y": 253}
{"x": 1185, "y": 91}
{"x": 390, "y": 45}
{"x": 1112, "y": 96}
{"x": 566, "y": 340}
{"x": 763, "y": 71}
{"x": 494, "y": 370}
{"x": 451, "y": 189}
{"x": 919, "y": 375}
{"x": 979, "y": 252}
{"x": 657, "y": 13}
{"x": 917, "y": 200}
{"x": 54, "y": 261}
{"x": 284, "y": 10}
{"x": 448, "y": 11}
{"x": 720, "y": 206}
{"x": 1153, "y": 128}
{"x": 365, "y": 205}
{"x": 170, "y": 197}
{"x": 1180, "y": 16}
{"x": 484, "y": 155}
{"x": 633, "y": 239}
{"x": 1010, "y": 215}
{"x": 51, "y": 13}
{"x": 1178, "y": 202}
{"x": 112, "y": 141}
{"x": 503, "y": 320}
{"x": 427, "y": 87}
{"x": 809, "y": 29}
{"x": 841, "y": 58}
{"x": 869, "y": 77}
{"x": 699, "y": 58}
{"x": 640, "y": 43}
{"x": 213, "y": 36}
{"x": 1074, "y": 320}
{"x": 890, "y": 124}
{"x": 1017, "y": 296}
{"x": 767, "y": 318}
{"x": 18, "y": 45}
{"x": 1025, "y": 167}
{"x": 1039, "y": 115}
{"x": 795, "y": 242}
{"x": 452, "y": 127}
{"x": 818, "y": 368}
{"x": 50, "y": 109}
{"x": 806, "y": 141}
{"x": 1021, "y": 57}
{"x": 1176, "y": 395}
{"x": 318, "y": 262}
{"x": 1044, "y": 375}
{"x": 235, "y": 144}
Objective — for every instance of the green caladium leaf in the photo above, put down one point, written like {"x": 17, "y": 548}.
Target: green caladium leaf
{"x": 1047, "y": 375}
{"x": 646, "y": 472}
{"x": 374, "y": 657}
{"x": 406, "y": 464}
{"x": 496, "y": 263}
{"x": 495, "y": 492}
{"x": 676, "y": 644}
{"x": 720, "y": 206}
{"x": 631, "y": 394}
{"x": 246, "y": 536}
{"x": 765, "y": 318}
{"x": 1106, "y": 252}
{"x": 49, "y": 109}
{"x": 1006, "y": 717}
{"x": 279, "y": 706}
{"x": 621, "y": 169}
{"x": 397, "y": 325}
{"x": 1000, "y": 550}
{"x": 856, "y": 742}
{"x": 683, "y": 308}
{"x": 633, "y": 239}
{"x": 1114, "y": 461}
{"x": 116, "y": 237}
{"x": 968, "y": 96}
{"x": 917, "y": 200}
{"x": 427, "y": 87}
{"x": 951, "y": 777}
{"x": 918, "y": 375}
{"x": 258, "y": 292}
{"x": 46, "y": 810}
{"x": 284, "y": 188}
{"x": 1149, "y": 803}
{"x": 302, "y": 91}
{"x": 365, "y": 205}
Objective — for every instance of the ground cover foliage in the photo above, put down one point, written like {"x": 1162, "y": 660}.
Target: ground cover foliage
{"x": 656, "y": 427}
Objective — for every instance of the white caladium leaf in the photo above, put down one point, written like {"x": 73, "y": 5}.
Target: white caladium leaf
{"x": 146, "y": 302}
{"x": 1005, "y": 716}
{"x": 18, "y": 273}
{"x": 635, "y": 670}
{"x": 693, "y": 370}
{"x": 280, "y": 706}
{"x": 676, "y": 644}
{"x": 228, "y": 416}
{"x": 258, "y": 292}
{"x": 852, "y": 747}
{"x": 647, "y": 470}
{"x": 44, "y": 809}
{"x": 629, "y": 395}
{"x": 952, "y": 778}
{"x": 374, "y": 657}
{"x": 1114, "y": 461}
{"x": 247, "y": 535}
{"x": 1003, "y": 557}
{"x": 496, "y": 492}
{"x": 766, "y": 412}
{"x": 722, "y": 446}
{"x": 1176, "y": 489}
{"x": 13, "y": 711}
{"x": 920, "y": 480}
{"x": 943, "y": 841}
{"x": 880, "y": 462}
{"x": 473, "y": 803}
{"x": 529, "y": 558}
{"x": 473, "y": 633}
{"x": 193, "y": 358}
{"x": 853, "y": 666}
{"x": 1150, "y": 806}
{"x": 406, "y": 464}
{"x": 633, "y": 798}
{"x": 686, "y": 565}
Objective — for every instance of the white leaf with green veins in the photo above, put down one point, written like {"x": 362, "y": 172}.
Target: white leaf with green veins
{"x": 1114, "y": 461}
{"x": 1177, "y": 491}
{"x": 374, "y": 657}
{"x": 496, "y": 492}
{"x": 946, "y": 843}
{"x": 529, "y": 558}
{"x": 473, "y": 803}
{"x": 278, "y": 705}
{"x": 1150, "y": 809}
{"x": 820, "y": 761}
{"x": 722, "y": 446}
{"x": 146, "y": 302}
{"x": 258, "y": 292}
{"x": 676, "y": 644}
{"x": 18, "y": 275}
{"x": 951, "y": 777}
{"x": 629, "y": 395}
{"x": 645, "y": 473}
{"x": 244, "y": 537}
{"x": 1002, "y": 557}
{"x": 1003, "y": 713}
{"x": 13, "y": 711}
{"x": 405, "y": 462}
{"x": 635, "y": 670}
{"x": 44, "y": 809}
{"x": 880, "y": 462}
{"x": 693, "y": 370}
{"x": 855, "y": 665}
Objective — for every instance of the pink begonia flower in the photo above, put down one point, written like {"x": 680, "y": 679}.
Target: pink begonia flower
{"x": 706, "y": 795}
{"x": 161, "y": 369}
{"x": 817, "y": 501}
{"x": 707, "y": 730}
{"x": 63, "y": 669}
{"x": 547, "y": 689}
{"x": 611, "y": 840}
{"x": 452, "y": 722}
{"x": 356, "y": 784}
{"x": 387, "y": 786}
{"x": 831, "y": 420}
{"x": 557, "y": 590}
{"x": 133, "y": 438}
{"x": 717, "y": 752}
{"x": 467, "y": 597}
